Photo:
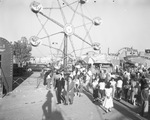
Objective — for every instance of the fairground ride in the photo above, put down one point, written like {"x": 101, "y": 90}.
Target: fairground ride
{"x": 67, "y": 28}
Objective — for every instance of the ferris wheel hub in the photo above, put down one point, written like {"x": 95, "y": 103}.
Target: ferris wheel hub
{"x": 69, "y": 29}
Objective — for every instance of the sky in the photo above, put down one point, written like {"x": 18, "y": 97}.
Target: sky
{"x": 125, "y": 23}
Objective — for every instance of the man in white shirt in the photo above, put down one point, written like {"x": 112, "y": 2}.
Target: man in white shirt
{"x": 119, "y": 88}
{"x": 102, "y": 88}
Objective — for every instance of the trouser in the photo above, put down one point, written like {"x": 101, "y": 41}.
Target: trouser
{"x": 80, "y": 88}
{"x": 48, "y": 83}
{"x": 145, "y": 108}
{"x": 45, "y": 82}
{"x": 126, "y": 94}
{"x": 59, "y": 95}
{"x": 95, "y": 93}
{"x": 119, "y": 92}
{"x": 69, "y": 97}
{"x": 113, "y": 92}
{"x": 102, "y": 93}
{"x": 133, "y": 97}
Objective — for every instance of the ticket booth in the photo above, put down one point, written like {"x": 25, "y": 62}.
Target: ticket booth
{"x": 6, "y": 67}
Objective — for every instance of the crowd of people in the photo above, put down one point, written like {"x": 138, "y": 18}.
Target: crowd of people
{"x": 129, "y": 84}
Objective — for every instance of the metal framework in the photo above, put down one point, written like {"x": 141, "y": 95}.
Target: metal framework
{"x": 68, "y": 29}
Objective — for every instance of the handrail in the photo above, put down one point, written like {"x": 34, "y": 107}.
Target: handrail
{"x": 17, "y": 80}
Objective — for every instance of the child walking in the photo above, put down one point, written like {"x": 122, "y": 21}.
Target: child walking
{"x": 108, "y": 101}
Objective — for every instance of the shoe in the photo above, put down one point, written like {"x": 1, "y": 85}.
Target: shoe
{"x": 109, "y": 110}
{"x": 71, "y": 103}
{"x": 59, "y": 103}
{"x": 65, "y": 103}
{"x": 106, "y": 111}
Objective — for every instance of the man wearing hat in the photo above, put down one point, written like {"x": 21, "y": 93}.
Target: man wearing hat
{"x": 59, "y": 85}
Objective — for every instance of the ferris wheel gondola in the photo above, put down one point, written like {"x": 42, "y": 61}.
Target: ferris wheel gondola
{"x": 35, "y": 41}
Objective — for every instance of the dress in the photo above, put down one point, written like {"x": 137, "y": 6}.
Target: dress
{"x": 113, "y": 84}
{"x": 108, "y": 101}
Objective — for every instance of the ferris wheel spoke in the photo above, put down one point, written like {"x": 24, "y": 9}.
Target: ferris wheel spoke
{"x": 76, "y": 11}
{"x": 72, "y": 46}
{"x": 61, "y": 7}
{"x": 50, "y": 8}
{"x": 82, "y": 49}
{"x": 82, "y": 25}
{"x": 87, "y": 31}
{"x": 52, "y": 47}
{"x": 51, "y": 35}
{"x": 59, "y": 24}
{"x": 58, "y": 51}
{"x": 42, "y": 27}
{"x": 70, "y": 4}
{"x": 45, "y": 32}
{"x": 81, "y": 39}
{"x": 62, "y": 13}
{"x": 79, "y": 49}
{"x": 43, "y": 24}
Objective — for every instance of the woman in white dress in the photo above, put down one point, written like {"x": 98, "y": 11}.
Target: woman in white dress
{"x": 108, "y": 101}
{"x": 113, "y": 85}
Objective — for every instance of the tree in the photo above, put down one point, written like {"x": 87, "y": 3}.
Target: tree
{"x": 22, "y": 51}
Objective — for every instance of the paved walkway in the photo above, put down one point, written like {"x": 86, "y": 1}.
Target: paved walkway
{"x": 27, "y": 102}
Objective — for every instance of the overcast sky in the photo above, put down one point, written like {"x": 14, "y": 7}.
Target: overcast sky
{"x": 125, "y": 23}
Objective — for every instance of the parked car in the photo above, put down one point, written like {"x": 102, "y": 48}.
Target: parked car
{"x": 36, "y": 67}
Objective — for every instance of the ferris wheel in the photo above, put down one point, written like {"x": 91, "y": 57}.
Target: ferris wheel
{"x": 67, "y": 28}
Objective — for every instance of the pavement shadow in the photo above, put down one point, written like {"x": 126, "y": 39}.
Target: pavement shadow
{"x": 127, "y": 112}
{"x": 48, "y": 114}
{"x": 135, "y": 109}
